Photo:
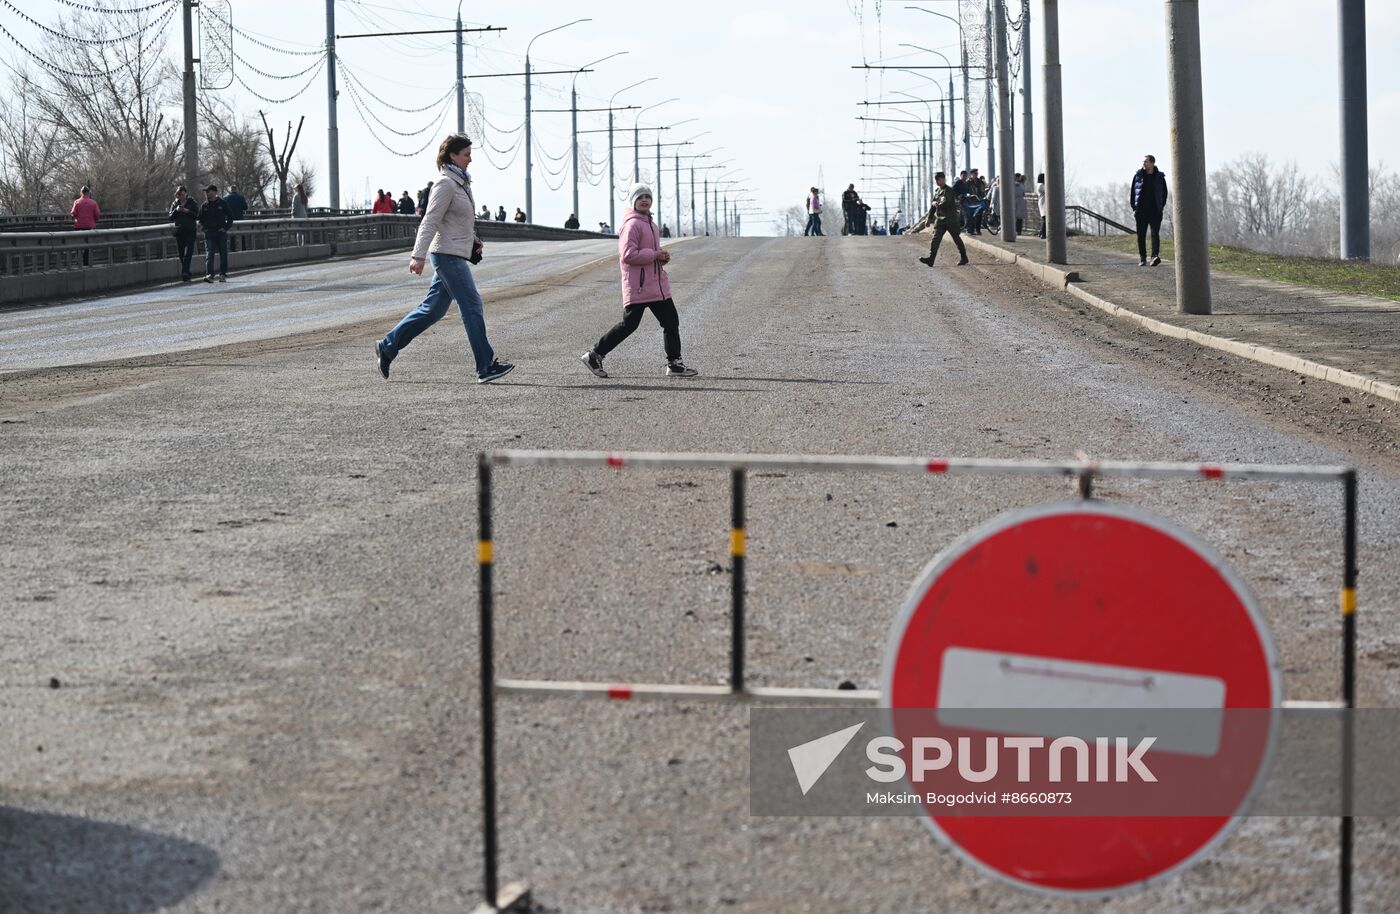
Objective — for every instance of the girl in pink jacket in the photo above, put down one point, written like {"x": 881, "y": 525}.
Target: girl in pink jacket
{"x": 644, "y": 285}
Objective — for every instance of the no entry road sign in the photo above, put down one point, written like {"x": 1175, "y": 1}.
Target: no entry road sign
{"x": 1070, "y": 607}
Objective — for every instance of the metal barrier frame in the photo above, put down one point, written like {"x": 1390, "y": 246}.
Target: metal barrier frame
{"x": 1082, "y": 471}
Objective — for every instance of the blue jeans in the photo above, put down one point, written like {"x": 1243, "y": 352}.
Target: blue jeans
{"x": 215, "y": 242}
{"x": 452, "y": 281}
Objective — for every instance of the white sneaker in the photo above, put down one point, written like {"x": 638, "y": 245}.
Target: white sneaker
{"x": 677, "y": 369}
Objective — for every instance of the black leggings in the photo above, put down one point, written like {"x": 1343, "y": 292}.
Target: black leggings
{"x": 665, "y": 311}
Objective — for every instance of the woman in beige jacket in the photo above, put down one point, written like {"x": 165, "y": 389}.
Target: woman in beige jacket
{"x": 447, "y": 236}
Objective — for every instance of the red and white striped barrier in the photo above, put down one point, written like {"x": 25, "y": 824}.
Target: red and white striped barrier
{"x": 1084, "y": 471}
{"x": 944, "y": 466}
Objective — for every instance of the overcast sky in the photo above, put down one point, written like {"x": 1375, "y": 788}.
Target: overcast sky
{"x": 771, "y": 83}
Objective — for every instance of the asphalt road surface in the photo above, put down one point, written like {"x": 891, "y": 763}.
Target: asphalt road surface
{"x": 250, "y": 571}
{"x": 256, "y": 305}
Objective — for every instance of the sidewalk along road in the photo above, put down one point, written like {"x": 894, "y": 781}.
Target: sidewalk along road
{"x": 1349, "y": 340}
{"x": 251, "y": 571}
{"x": 259, "y": 305}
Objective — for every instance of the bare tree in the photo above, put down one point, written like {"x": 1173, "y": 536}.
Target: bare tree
{"x": 304, "y": 174}
{"x": 1257, "y": 199}
{"x": 232, "y": 149}
{"x": 282, "y": 161}
{"x": 790, "y": 219}
{"x": 106, "y": 97}
{"x": 29, "y": 152}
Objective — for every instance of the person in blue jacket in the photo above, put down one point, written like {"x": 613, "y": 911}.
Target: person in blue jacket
{"x": 1147, "y": 195}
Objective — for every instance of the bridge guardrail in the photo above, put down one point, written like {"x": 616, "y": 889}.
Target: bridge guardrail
{"x": 39, "y": 265}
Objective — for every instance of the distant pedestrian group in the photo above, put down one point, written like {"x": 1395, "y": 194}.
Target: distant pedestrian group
{"x": 814, "y": 213}
{"x": 854, "y": 210}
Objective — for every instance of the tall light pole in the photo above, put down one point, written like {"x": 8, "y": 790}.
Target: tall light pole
{"x": 573, "y": 112}
{"x": 726, "y": 183}
{"x": 943, "y": 139}
{"x": 680, "y": 210}
{"x": 529, "y": 160}
{"x": 925, "y": 147}
{"x": 656, "y": 190}
{"x": 1190, "y": 225}
{"x": 949, "y": 98}
{"x": 612, "y": 171}
{"x": 990, "y": 81}
{"x": 461, "y": 86}
{"x": 191, "y": 125}
{"x": 332, "y": 130}
{"x": 1056, "y": 244}
{"x": 705, "y": 169}
{"x": 637, "y": 138}
{"x": 1356, "y": 205}
{"x": 1008, "y": 205}
{"x": 967, "y": 101}
{"x": 1028, "y": 125}
{"x": 705, "y": 191}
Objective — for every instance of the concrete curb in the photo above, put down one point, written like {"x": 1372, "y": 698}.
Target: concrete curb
{"x": 1051, "y": 276}
{"x": 1068, "y": 281}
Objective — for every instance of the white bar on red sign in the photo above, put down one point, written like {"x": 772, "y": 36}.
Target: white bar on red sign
{"x": 1019, "y": 688}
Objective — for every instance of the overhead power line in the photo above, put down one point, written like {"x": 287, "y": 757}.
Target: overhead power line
{"x": 103, "y": 9}
{"x": 92, "y": 41}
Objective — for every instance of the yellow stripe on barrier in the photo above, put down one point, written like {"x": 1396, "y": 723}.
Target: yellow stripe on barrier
{"x": 1348, "y": 601}
{"x": 483, "y": 552}
{"x": 737, "y": 541}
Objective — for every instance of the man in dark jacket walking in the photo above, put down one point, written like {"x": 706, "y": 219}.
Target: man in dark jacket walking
{"x": 215, "y": 219}
{"x": 237, "y": 206}
{"x": 1147, "y": 195}
{"x": 849, "y": 200}
{"x": 184, "y": 213}
{"x": 943, "y": 216}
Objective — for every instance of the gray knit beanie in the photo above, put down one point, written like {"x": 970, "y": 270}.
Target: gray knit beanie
{"x": 638, "y": 190}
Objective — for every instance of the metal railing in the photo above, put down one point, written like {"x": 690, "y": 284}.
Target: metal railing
{"x": 1084, "y": 221}
{"x": 62, "y": 222}
{"x": 24, "y": 253}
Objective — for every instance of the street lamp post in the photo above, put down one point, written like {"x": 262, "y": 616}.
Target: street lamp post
{"x": 967, "y": 111}
{"x": 637, "y": 139}
{"x": 573, "y": 111}
{"x": 919, "y": 187}
{"x": 529, "y": 161}
{"x": 656, "y": 190}
{"x": 612, "y": 171}
{"x": 705, "y": 191}
{"x": 943, "y": 138}
{"x": 949, "y": 98}
{"x": 680, "y": 210}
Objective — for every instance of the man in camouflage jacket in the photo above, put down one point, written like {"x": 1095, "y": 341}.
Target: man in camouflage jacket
{"x": 943, "y": 216}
